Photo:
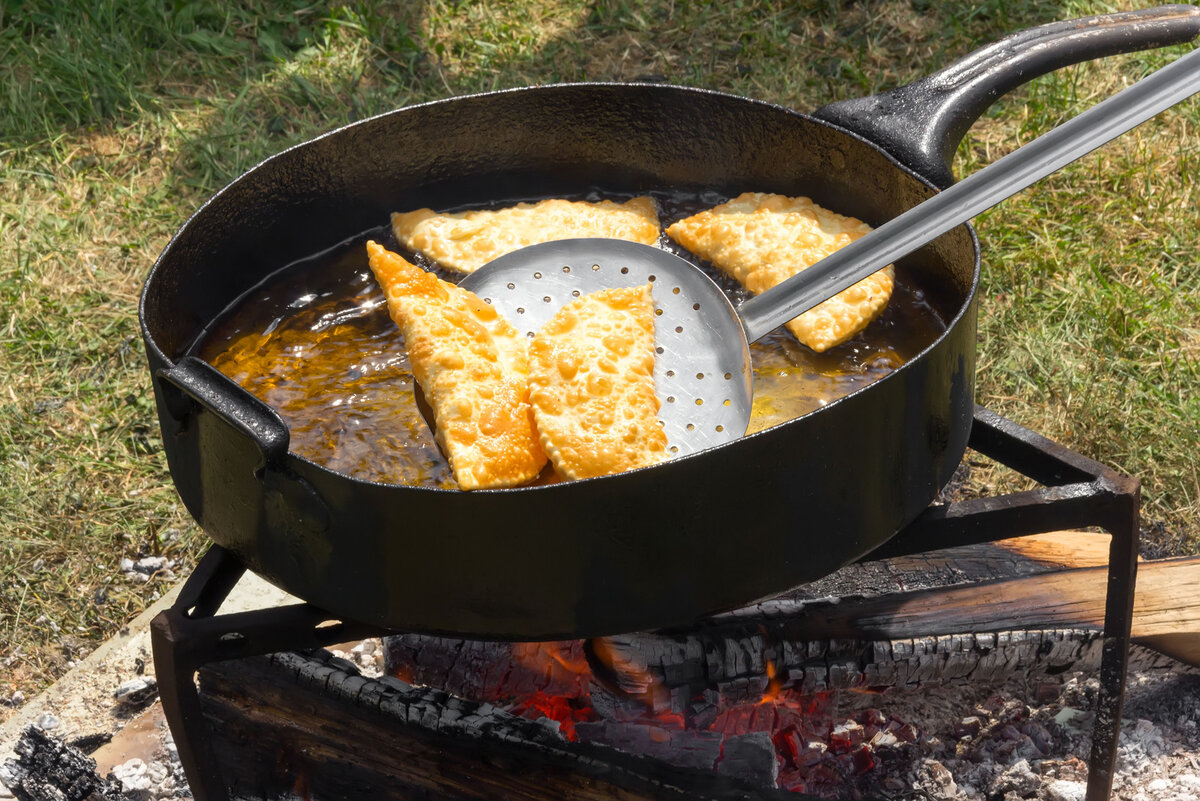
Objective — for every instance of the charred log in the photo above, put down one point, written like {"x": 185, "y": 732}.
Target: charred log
{"x": 312, "y": 726}
{"x": 47, "y": 769}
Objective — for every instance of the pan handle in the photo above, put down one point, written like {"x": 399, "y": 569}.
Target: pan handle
{"x": 922, "y": 123}
{"x": 200, "y": 384}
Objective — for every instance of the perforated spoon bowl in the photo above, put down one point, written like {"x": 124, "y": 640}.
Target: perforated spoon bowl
{"x": 702, "y": 370}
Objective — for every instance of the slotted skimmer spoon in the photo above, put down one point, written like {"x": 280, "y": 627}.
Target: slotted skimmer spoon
{"x": 702, "y": 370}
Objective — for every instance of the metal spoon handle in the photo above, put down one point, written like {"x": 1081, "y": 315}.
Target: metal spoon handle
{"x": 977, "y": 193}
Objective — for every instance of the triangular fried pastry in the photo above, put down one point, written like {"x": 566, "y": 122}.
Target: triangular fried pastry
{"x": 467, "y": 240}
{"x": 591, "y": 385}
{"x": 472, "y": 366}
{"x": 762, "y": 240}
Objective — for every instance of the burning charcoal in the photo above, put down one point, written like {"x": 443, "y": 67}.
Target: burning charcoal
{"x": 1039, "y": 736}
{"x": 1016, "y": 744}
{"x": 907, "y": 733}
{"x": 935, "y": 780}
{"x": 680, "y": 700}
{"x": 862, "y": 759}
{"x": 884, "y": 739}
{"x": 1047, "y": 691}
{"x": 846, "y": 735}
{"x": 872, "y": 717}
{"x": 1014, "y": 712}
{"x": 844, "y": 674}
{"x": 968, "y": 727}
{"x": 750, "y": 758}
{"x": 703, "y": 711}
{"x": 992, "y": 705}
{"x": 816, "y": 679}
{"x": 814, "y": 751}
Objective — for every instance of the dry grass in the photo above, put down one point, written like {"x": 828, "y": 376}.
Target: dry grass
{"x": 119, "y": 119}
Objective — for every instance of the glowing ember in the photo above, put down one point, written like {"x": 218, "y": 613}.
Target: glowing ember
{"x": 763, "y": 731}
{"x": 567, "y": 711}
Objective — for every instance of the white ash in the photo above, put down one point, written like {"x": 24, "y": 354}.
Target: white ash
{"x": 1065, "y": 790}
{"x": 136, "y": 693}
{"x": 150, "y": 781}
{"x": 148, "y": 567}
{"x": 1019, "y": 779}
{"x": 366, "y": 656}
{"x": 1019, "y": 741}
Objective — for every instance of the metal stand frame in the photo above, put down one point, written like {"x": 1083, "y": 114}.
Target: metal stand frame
{"x": 1076, "y": 492}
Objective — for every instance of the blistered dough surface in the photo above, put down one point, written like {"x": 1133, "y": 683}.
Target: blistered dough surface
{"x": 465, "y": 241}
{"x": 762, "y": 240}
{"x": 473, "y": 369}
{"x": 591, "y": 382}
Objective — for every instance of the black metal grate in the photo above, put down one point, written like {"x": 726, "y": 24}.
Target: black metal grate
{"x": 1076, "y": 492}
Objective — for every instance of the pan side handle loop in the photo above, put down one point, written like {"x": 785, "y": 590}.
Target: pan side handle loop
{"x": 199, "y": 384}
{"x": 922, "y": 123}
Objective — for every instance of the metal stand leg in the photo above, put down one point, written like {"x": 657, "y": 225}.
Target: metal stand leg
{"x": 1118, "y": 619}
{"x": 1078, "y": 492}
{"x": 188, "y": 636}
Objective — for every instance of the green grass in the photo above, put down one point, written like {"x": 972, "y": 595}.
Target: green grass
{"x": 118, "y": 119}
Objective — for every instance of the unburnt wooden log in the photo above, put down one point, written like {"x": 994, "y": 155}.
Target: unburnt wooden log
{"x": 1033, "y": 624}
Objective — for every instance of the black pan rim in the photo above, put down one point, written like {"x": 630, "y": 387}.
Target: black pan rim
{"x": 964, "y": 307}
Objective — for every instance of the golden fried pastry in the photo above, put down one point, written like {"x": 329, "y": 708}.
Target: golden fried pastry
{"x": 465, "y": 241}
{"x": 762, "y": 240}
{"x": 591, "y": 385}
{"x": 473, "y": 368}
